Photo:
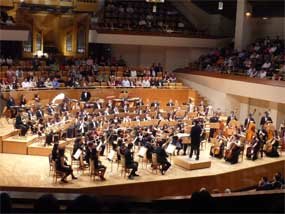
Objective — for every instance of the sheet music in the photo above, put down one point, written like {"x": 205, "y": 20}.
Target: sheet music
{"x": 170, "y": 149}
{"x": 142, "y": 152}
{"x": 111, "y": 155}
{"x": 77, "y": 154}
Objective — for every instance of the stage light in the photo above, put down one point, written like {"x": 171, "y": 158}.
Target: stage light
{"x": 248, "y": 14}
{"x": 221, "y": 5}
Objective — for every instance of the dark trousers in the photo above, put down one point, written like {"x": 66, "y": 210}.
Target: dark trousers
{"x": 196, "y": 148}
{"x": 24, "y": 128}
{"x": 133, "y": 167}
{"x": 165, "y": 166}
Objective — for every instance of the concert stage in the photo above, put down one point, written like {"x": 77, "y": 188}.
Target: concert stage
{"x": 31, "y": 173}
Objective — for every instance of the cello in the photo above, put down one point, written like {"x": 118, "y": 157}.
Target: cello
{"x": 250, "y": 131}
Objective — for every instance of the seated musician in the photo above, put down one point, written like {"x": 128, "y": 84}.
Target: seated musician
{"x": 213, "y": 119}
{"x": 130, "y": 163}
{"x": 97, "y": 163}
{"x": 162, "y": 157}
{"x": 155, "y": 104}
{"x": 262, "y": 137}
{"x": 233, "y": 149}
{"x": 78, "y": 145}
{"x": 62, "y": 166}
{"x": 19, "y": 124}
{"x": 10, "y": 106}
{"x": 37, "y": 98}
{"x": 39, "y": 113}
{"x": 50, "y": 109}
{"x": 170, "y": 103}
{"x": 23, "y": 101}
{"x": 85, "y": 96}
{"x": 271, "y": 146}
{"x": 178, "y": 143}
{"x": 252, "y": 151}
{"x": 217, "y": 150}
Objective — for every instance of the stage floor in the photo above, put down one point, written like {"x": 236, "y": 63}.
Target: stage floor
{"x": 31, "y": 173}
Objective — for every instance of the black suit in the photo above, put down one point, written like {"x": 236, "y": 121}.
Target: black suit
{"x": 265, "y": 119}
{"x": 247, "y": 121}
{"x": 195, "y": 140}
{"x": 20, "y": 125}
{"x": 170, "y": 104}
{"x": 85, "y": 96}
{"x": 50, "y": 110}
{"x": 231, "y": 118}
{"x": 162, "y": 158}
{"x": 10, "y": 103}
{"x": 130, "y": 163}
{"x": 39, "y": 114}
{"x": 213, "y": 119}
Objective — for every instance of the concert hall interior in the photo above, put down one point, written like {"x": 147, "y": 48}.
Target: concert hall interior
{"x": 134, "y": 106}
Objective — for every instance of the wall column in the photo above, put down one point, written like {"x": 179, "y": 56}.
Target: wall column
{"x": 243, "y": 30}
{"x": 243, "y": 109}
{"x": 274, "y": 112}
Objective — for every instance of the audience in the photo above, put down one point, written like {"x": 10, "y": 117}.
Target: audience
{"x": 265, "y": 58}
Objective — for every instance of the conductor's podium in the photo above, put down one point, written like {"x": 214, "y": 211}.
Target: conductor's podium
{"x": 191, "y": 164}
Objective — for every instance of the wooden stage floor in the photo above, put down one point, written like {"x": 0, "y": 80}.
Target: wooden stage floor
{"x": 31, "y": 173}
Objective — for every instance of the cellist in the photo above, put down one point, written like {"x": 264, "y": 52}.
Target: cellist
{"x": 217, "y": 150}
{"x": 233, "y": 149}
{"x": 252, "y": 151}
{"x": 271, "y": 146}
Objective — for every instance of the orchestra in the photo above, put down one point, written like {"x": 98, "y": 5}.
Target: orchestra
{"x": 119, "y": 124}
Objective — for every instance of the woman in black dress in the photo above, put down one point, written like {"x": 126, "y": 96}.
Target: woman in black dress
{"x": 62, "y": 166}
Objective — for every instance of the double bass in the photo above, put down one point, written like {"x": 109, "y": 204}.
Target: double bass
{"x": 250, "y": 132}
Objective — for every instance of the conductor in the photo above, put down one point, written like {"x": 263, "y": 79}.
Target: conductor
{"x": 195, "y": 139}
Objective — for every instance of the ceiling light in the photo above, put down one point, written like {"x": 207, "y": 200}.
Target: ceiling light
{"x": 248, "y": 14}
{"x": 221, "y": 5}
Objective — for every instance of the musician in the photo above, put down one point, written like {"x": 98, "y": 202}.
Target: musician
{"x": 85, "y": 96}
{"x": 190, "y": 106}
{"x": 23, "y": 101}
{"x": 213, "y": 119}
{"x": 62, "y": 166}
{"x": 19, "y": 124}
{"x": 130, "y": 163}
{"x": 116, "y": 110}
{"x": 155, "y": 104}
{"x": 162, "y": 157}
{"x": 248, "y": 120}
{"x": 170, "y": 103}
{"x": 232, "y": 116}
{"x": 101, "y": 169}
{"x": 266, "y": 118}
{"x": 195, "y": 135}
{"x": 262, "y": 137}
{"x": 233, "y": 149}
{"x": 78, "y": 144}
{"x": 39, "y": 113}
{"x": 92, "y": 124}
{"x": 64, "y": 107}
{"x": 50, "y": 109}
{"x": 271, "y": 147}
{"x": 252, "y": 151}
{"x": 218, "y": 149}
{"x": 10, "y": 104}
{"x": 37, "y": 98}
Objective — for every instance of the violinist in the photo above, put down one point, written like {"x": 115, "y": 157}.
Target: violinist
{"x": 233, "y": 149}
{"x": 78, "y": 145}
{"x": 98, "y": 166}
{"x": 252, "y": 151}
{"x": 130, "y": 163}
{"x": 271, "y": 146}
{"x": 39, "y": 113}
{"x": 162, "y": 157}
{"x": 217, "y": 150}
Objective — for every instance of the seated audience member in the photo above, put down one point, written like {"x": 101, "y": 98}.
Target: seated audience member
{"x": 84, "y": 204}
{"x": 46, "y": 204}
{"x": 62, "y": 166}
{"x": 264, "y": 184}
{"x": 5, "y": 203}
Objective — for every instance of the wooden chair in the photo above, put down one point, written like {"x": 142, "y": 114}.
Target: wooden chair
{"x": 124, "y": 169}
{"x": 93, "y": 172}
{"x": 155, "y": 165}
{"x": 56, "y": 174}
{"x": 51, "y": 169}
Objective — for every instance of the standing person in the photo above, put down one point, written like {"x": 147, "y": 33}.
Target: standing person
{"x": 85, "y": 95}
{"x": 195, "y": 135}
{"x": 266, "y": 118}
{"x": 130, "y": 163}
